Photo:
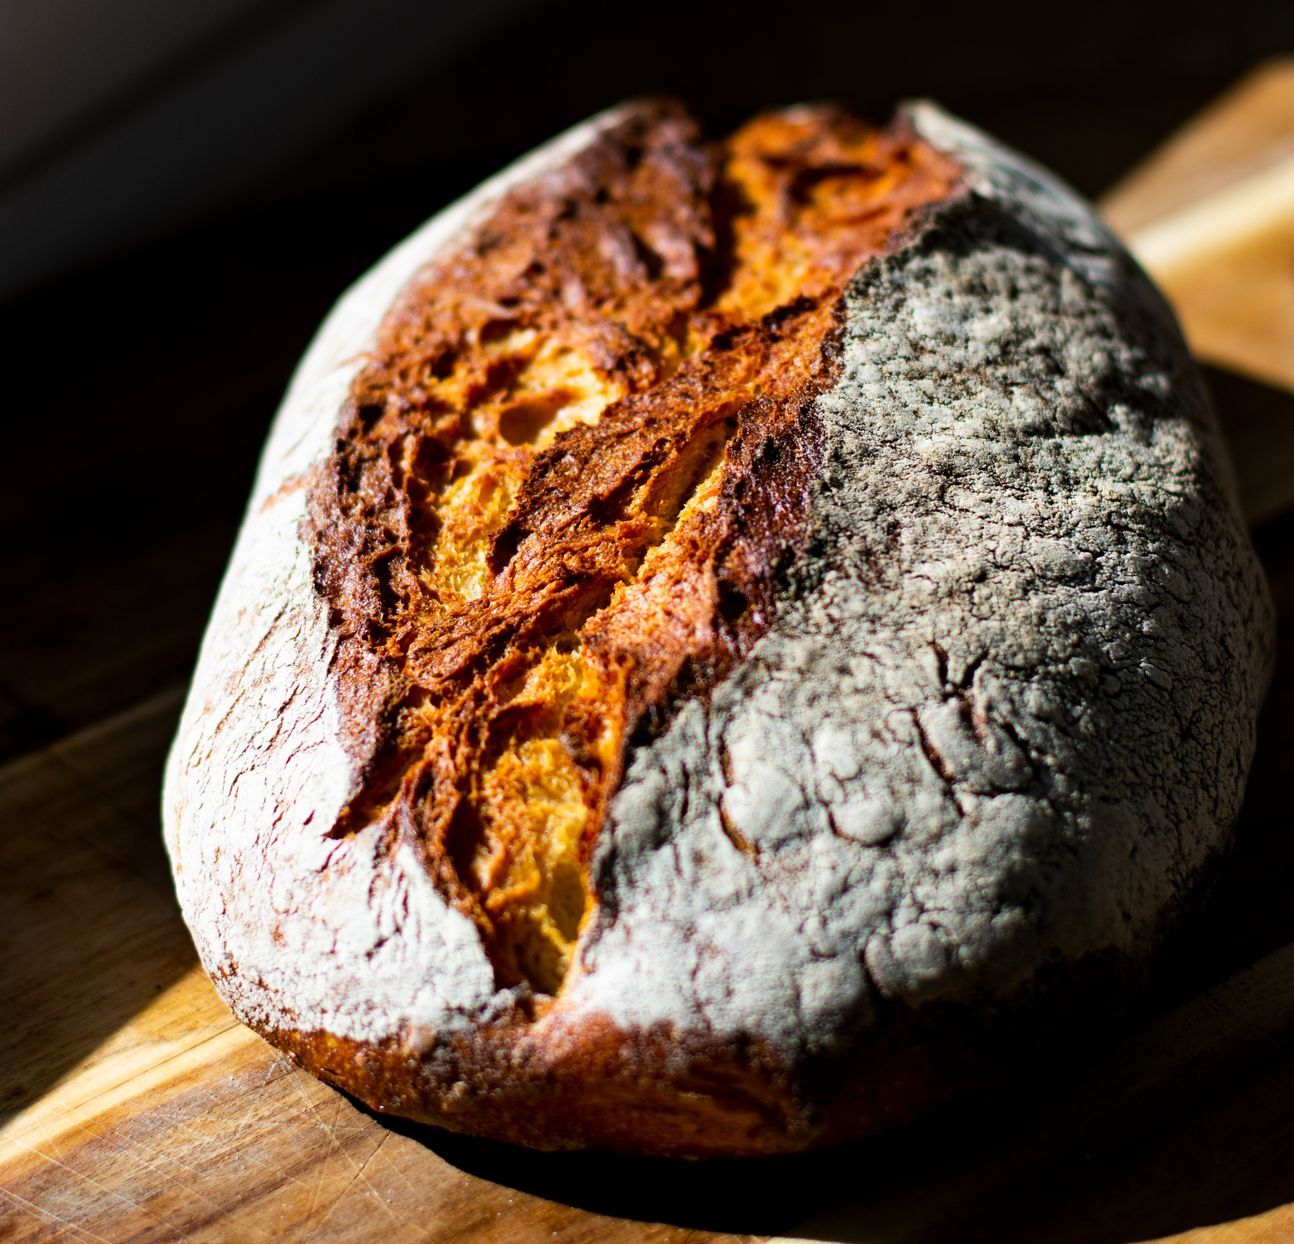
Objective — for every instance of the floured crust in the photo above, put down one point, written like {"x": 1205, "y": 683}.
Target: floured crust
{"x": 699, "y": 695}
{"x": 566, "y": 480}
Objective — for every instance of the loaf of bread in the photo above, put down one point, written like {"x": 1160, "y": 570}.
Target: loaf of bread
{"x": 731, "y": 640}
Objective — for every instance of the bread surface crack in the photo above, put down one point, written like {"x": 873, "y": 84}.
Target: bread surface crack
{"x": 568, "y": 481}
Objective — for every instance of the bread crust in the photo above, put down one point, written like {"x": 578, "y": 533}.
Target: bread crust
{"x": 567, "y": 482}
{"x": 981, "y": 743}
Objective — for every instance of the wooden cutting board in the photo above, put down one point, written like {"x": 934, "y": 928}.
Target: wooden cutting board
{"x": 132, "y": 1106}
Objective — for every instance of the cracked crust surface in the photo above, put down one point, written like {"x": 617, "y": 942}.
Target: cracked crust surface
{"x": 567, "y": 479}
{"x": 990, "y": 729}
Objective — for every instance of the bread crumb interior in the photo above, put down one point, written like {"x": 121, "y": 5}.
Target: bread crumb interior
{"x": 571, "y": 475}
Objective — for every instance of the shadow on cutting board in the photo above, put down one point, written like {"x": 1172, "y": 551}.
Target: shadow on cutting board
{"x": 88, "y": 920}
{"x": 1185, "y": 1123}
{"x": 1002, "y": 1171}
{"x": 1043, "y": 1162}
{"x": 1258, "y": 421}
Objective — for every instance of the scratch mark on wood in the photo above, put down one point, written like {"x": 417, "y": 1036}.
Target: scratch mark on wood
{"x": 64, "y": 1224}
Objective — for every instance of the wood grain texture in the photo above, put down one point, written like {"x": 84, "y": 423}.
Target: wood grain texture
{"x": 132, "y": 1107}
{"x": 1276, "y": 1225}
{"x": 1211, "y": 216}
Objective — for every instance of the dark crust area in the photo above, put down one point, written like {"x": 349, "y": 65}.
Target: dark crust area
{"x": 569, "y": 485}
{"x": 667, "y": 1093}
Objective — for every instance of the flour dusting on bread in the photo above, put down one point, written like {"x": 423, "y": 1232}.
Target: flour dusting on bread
{"x": 730, "y": 639}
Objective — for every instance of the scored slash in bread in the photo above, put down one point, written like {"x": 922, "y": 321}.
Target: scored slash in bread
{"x": 727, "y": 640}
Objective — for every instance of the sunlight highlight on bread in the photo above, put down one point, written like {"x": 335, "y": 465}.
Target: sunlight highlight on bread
{"x": 582, "y": 444}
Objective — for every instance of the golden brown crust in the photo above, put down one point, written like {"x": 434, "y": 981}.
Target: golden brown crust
{"x": 665, "y": 1092}
{"x": 649, "y": 1092}
{"x": 547, "y": 543}
{"x": 565, "y": 482}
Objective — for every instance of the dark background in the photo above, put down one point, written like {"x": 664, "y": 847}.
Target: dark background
{"x": 166, "y": 254}
{"x": 140, "y": 379}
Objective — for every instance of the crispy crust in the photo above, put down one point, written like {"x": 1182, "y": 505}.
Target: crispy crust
{"x": 564, "y": 486}
{"x": 858, "y": 614}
